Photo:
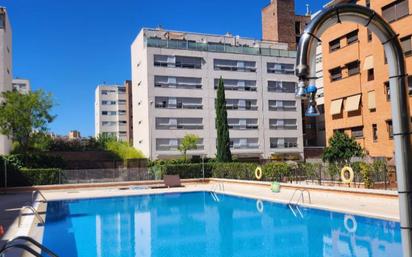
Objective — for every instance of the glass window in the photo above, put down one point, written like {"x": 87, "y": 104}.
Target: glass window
{"x": 395, "y": 11}
{"x": 357, "y": 132}
{"x": 334, "y": 45}
{"x": 387, "y": 91}
{"x": 352, "y": 37}
{"x": 353, "y": 68}
{"x": 371, "y": 74}
{"x": 2, "y": 21}
{"x": 375, "y": 132}
{"x": 406, "y": 45}
{"x": 335, "y": 74}
{"x": 389, "y": 128}
{"x": 369, "y": 35}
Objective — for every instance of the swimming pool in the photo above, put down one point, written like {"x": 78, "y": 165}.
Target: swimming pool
{"x": 197, "y": 224}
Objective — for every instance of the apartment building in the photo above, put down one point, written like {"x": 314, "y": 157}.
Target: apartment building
{"x": 175, "y": 76}
{"x": 113, "y": 112}
{"x": 357, "y": 97}
{"x": 21, "y": 85}
{"x": 6, "y": 74}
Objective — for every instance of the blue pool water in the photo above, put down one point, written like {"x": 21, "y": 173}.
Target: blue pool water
{"x": 194, "y": 225}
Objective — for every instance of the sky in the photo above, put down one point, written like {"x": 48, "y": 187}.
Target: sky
{"x": 68, "y": 47}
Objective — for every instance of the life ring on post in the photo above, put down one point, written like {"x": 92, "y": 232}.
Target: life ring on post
{"x": 258, "y": 173}
{"x": 343, "y": 174}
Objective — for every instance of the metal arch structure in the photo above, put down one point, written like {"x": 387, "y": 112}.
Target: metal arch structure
{"x": 305, "y": 70}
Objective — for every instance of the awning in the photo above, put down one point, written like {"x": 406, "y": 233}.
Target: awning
{"x": 352, "y": 103}
{"x": 336, "y": 106}
{"x": 371, "y": 100}
{"x": 368, "y": 63}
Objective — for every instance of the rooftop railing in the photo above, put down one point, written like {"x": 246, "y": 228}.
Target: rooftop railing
{"x": 221, "y": 48}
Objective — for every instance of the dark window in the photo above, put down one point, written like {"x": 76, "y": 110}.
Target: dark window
{"x": 334, "y": 45}
{"x": 357, "y": 132}
{"x": 406, "y": 45}
{"x": 396, "y": 10}
{"x": 371, "y": 74}
{"x": 335, "y": 74}
{"x": 352, "y": 37}
{"x": 2, "y": 21}
{"x": 410, "y": 85}
{"x": 369, "y": 35}
{"x": 375, "y": 132}
{"x": 389, "y": 128}
{"x": 297, "y": 28}
{"x": 353, "y": 68}
{"x": 387, "y": 91}
{"x": 368, "y": 3}
{"x": 385, "y": 59}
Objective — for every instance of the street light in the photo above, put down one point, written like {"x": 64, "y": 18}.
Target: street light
{"x": 305, "y": 70}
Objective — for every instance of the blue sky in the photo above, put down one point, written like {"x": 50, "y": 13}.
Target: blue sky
{"x": 68, "y": 47}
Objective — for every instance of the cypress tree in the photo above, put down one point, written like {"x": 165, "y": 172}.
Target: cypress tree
{"x": 223, "y": 141}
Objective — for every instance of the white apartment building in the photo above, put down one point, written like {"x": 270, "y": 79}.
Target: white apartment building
{"x": 112, "y": 115}
{"x": 175, "y": 75}
{"x": 6, "y": 74}
{"x": 21, "y": 85}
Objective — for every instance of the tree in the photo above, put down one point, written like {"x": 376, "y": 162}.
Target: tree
{"x": 189, "y": 142}
{"x": 24, "y": 116}
{"x": 223, "y": 141}
{"x": 341, "y": 149}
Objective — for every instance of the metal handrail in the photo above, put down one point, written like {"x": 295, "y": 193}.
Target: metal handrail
{"x": 36, "y": 214}
{"x": 40, "y": 193}
{"x": 11, "y": 244}
{"x": 301, "y": 197}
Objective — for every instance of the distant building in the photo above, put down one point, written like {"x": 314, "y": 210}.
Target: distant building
{"x": 175, "y": 76}
{"x": 74, "y": 134}
{"x": 281, "y": 24}
{"x": 357, "y": 95}
{"x": 21, "y": 85}
{"x": 6, "y": 74}
{"x": 113, "y": 111}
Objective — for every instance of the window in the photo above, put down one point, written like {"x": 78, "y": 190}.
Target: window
{"x": 177, "y": 61}
{"x": 368, "y": 3}
{"x": 353, "y": 68}
{"x": 297, "y": 28}
{"x": 371, "y": 74}
{"x": 237, "y": 85}
{"x": 335, "y": 74}
{"x": 234, "y": 65}
{"x": 2, "y": 21}
{"x": 375, "y": 132}
{"x": 395, "y": 11}
{"x": 357, "y": 132}
{"x": 281, "y": 86}
{"x": 352, "y": 37}
{"x": 121, "y": 90}
{"x": 369, "y": 35}
{"x": 389, "y": 128}
{"x": 287, "y": 142}
{"x": 177, "y": 82}
{"x": 406, "y": 45}
{"x": 281, "y": 68}
{"x": 334, "y": 45}
{"x": 387, "y": 91}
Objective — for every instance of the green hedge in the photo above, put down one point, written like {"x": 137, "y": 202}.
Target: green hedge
{"x": 184, "y": 170}
{"x": 234, "y": 170}
{"x": 41, "y": 176}
{"x": 276, "y": 171}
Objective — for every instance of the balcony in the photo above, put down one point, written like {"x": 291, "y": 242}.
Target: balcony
{"x": 281, "y": 87}
{"x": 280, "y": 105}
{"x": 244, "y": 143}
{"x": 178, "y": 62}
{"x": 212, "y": 47}
{"x": 280, "y": 143}
{"x": 281, "y": 68}
{"x": 173, "y": 144}
{"x": 178, "y": 103}
{"x": 179, "y": 123}
{"x": 243, "y": 124}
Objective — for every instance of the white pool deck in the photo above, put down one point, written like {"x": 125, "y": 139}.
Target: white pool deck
{"x": 372, "y": 203}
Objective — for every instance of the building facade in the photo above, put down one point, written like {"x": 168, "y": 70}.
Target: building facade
{"x": 175, "y": 76}
{"x": 357, "y": 97}
{"x": 21, "y": 85}
{"x": 6, "y": 73}
{"x": 281, "y": 24}
{"x": 112, "y": 111}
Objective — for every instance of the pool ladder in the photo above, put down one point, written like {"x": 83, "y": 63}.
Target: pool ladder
{"x": 215, "y": 188}
{"x": 21, "y": 243}
{"x": 34, "y": 194}
{"x": 34, "y": 211}
{"x": 294, "y": 206}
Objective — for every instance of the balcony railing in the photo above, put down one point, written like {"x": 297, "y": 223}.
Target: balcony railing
{"x": 192, "y": 106}
{"x": 197, "y": 46}
{"x": 241, "y": 108}
{"x": 283, "y": 127}
{"x": 282, "y": 108}
{"x": 284, "y": 145}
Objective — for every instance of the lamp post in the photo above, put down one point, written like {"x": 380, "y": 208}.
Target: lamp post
{"x": 305, "y": 70}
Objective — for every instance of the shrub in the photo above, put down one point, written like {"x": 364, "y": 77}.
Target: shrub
{"x": 34, "y": 160}
{"x": 234, "y": 170}
{"x": 41, "y": 176}
{"x": 123, "y": 150}
{"x": 276, "y": 171}
{"x": 311, "y": 170}
{"x": 366, "y": 173}
{"x": 332, "y": 170}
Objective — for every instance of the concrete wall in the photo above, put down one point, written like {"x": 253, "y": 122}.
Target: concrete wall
{"x": 6, "y": 72}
